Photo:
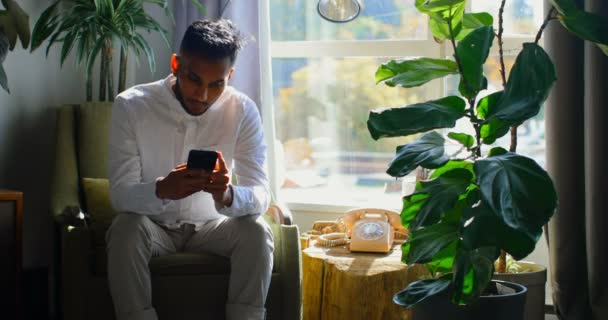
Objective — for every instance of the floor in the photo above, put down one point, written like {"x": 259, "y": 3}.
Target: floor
{"x": 550, "y": 317}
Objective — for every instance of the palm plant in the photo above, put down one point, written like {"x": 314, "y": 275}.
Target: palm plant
{"x": 93, "y": 28}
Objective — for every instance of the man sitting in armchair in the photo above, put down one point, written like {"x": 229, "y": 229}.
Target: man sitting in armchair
{"x": 167, "y": 207}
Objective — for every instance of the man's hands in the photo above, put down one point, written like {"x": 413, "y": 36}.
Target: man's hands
{"x": 182, "y": 182}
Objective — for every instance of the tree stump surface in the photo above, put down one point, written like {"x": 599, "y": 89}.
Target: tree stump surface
{"x": 338, "y": 284}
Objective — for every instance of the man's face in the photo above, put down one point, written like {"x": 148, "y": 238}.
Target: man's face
{"x": 200, "y": 81}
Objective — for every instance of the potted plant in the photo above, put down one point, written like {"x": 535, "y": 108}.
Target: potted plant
{"x": 485, "y": 202}
{"x": 14, "y": 23}
{"x": 94, "y": 28}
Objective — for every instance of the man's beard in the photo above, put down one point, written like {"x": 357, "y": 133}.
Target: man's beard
{"x": 178, "y": 94}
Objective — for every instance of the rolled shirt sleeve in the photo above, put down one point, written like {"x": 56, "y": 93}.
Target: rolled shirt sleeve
{"x": 251, "y": 194}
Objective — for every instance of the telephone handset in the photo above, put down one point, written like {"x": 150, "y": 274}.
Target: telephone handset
{"x": 372, "y": 230}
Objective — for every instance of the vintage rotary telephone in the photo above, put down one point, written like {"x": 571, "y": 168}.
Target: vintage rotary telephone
{"x": 372, "y": 230}
{"x": 369, "y": 230}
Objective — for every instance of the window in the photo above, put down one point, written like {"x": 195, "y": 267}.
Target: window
{"x": 323, "y": 87}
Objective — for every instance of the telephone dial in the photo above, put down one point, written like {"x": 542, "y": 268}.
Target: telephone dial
{"x": 369, "y": 230}
{"x": 372, "y": 230}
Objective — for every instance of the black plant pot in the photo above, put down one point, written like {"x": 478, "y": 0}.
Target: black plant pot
{"x": 492, "y": 307}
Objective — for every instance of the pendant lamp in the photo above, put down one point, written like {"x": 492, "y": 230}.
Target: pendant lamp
{"x": 339, "y": 11}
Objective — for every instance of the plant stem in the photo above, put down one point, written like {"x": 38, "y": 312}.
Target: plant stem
{"x": 549, "y": 17}
{"x": 458, "y": 63}
{"x": 477, "y": 127}
{"x": 89, "y": 86}
{"x": 513, "y": 146}
{"x": 103, "y": 73}
{"x": 122, "y": 72}
{"x": 502, "y": 259}
{"x": 110, "y": 69}
{"x": 471, "y": 101}
{"x": 500, "y": 49}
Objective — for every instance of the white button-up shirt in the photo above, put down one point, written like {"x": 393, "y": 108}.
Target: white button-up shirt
{"x": 151, "y": 134}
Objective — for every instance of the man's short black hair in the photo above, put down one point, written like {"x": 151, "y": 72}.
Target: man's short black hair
{"x": 213, "y": 40}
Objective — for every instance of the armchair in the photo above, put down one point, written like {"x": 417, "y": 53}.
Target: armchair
{"x": 184, "y": 286}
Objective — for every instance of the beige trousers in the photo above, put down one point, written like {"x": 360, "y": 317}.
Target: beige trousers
{"x": 134, "y": 239}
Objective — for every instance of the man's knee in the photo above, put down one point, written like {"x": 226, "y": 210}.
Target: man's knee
{"x": 255, "y": 231}
{"x": 128, "y": 232}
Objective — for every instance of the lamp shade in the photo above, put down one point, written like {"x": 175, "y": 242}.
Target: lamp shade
{"x": 339, "y": 10}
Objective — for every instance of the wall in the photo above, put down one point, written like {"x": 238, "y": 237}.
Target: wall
{"x": 27, "y": 124}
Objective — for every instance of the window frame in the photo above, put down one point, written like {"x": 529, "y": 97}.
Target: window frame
{"x": 386, "y": 48}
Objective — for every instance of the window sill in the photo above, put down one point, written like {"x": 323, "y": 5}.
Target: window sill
{"x": 326, "y": 208}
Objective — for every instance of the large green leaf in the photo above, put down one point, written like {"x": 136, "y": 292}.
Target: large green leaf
{"x": 530, "y": 81}
{"x": 451, "y": 165}
{"x": 487, "y": 229}
{"x": 494, "y": 128}
{"x": 565, "y": 6}
{"x": 438, "y": 6}
{"x": 434, "y": 198}
{"x": 443, "y": 261}
{"x": 143, "y": 45}
{"x": 414, "y": 72}
{"x": 487, "y": 103}
{"x": 428, "y": 152}
{"x": 517, "y": 190}
{"x": 68, "y": 44}
{"x": 473, "y": 270}
{"x": 424, "y": 243}
{"x": 460, "y": 212}
{"x": 442, "y": 14}
{"x": 4, "y": 79}
{"x": 14, "y": 23}
{"x": 45, "y": 25}
{"x": 466, "y": 140}
{"x": 473, "y": 51}
{"x": 419, "y": 117}
{"x": 420, "y": 290}
{"x": 472, "y": 21}
{"x": 200, "y": 7}
{"x": 412, "y": 205}
{"x": 586, "y": 25}
{"x": 440, "y": 27}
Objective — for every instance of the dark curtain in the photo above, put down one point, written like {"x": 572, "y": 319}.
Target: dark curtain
{"x": 577, "y": 145}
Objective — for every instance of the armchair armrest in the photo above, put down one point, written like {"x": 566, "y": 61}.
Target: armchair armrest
{"x": 64, "y": 185}
{"x": 280, "y": 214}
{"x": 290, "y": 267}
{"x": 287, "y": 260}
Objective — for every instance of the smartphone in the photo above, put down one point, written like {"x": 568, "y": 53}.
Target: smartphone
{"x": 202, "y": 159}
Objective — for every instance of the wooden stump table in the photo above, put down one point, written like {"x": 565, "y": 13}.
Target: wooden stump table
{"x": 338, "y": 284}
